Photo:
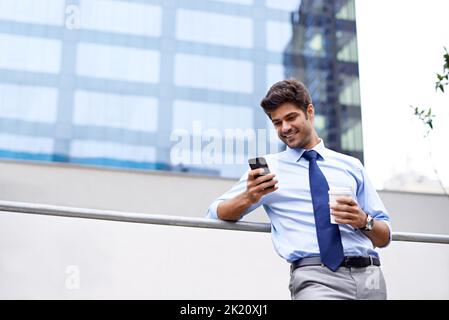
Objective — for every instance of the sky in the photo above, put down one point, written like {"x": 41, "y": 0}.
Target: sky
{"x": 401, "y": 46}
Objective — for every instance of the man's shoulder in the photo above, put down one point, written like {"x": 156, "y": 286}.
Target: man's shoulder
{"x": 344, "y": 158}
{"x": 276, "y": 156}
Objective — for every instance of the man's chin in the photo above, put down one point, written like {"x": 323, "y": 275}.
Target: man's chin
{"x": 292, "y": 144}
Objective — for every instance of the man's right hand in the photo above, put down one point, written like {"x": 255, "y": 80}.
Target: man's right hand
{"x": 259, "y": 185}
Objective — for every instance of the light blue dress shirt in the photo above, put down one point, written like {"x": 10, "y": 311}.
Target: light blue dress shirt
{"x": 290, "y": 207}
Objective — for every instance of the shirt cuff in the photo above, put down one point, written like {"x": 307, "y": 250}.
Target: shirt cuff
{"x": 212, "y": 211}
{"x": 389, "y": 228}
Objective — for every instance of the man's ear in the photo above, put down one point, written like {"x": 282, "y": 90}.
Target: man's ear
{"x": 310, "y": 111}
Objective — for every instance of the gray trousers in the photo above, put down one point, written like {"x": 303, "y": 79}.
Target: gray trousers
{"x": 320, "y": 283}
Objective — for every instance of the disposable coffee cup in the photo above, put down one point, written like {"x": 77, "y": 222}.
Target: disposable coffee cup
{"x": 334, "y": 193}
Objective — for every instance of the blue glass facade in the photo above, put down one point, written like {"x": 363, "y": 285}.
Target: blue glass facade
{"x": 107, "y": 82}
{"x": 323, "y": 54}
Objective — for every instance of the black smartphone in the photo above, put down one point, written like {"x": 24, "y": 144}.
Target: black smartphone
{"x": 259, "y": 162}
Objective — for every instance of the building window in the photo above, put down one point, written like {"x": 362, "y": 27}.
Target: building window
{"x": 243, "y": 2}
{"x": 347, "y": 44}
{"x": 213, "y": 28}
{"x": 286, "y": 5}
{"x": 121, "y": 17}
{"x": 347, "y": 11}
{"x": 24, "y": 144}
{"x": 213, "y": 73}
{"x": 49, "y": 12}
{"x": 351, "y": 139}
{"x": 90, "y": 149}
{"x": 36, "y": 104}
{"x": 30, "y": 54}
{"x": 350, "y": 91}
{"x": 274, "y": 73}
{"x": 278, "y": 36}
{"x": 117, "y": 63}
{"x": 211, "y": 116}
{"x": 116, "y": 111}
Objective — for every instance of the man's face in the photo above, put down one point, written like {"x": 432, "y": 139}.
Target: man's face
{"x": 293, "y": 126}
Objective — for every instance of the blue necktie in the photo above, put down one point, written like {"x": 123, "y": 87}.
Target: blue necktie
{"x": 328, "y": 234}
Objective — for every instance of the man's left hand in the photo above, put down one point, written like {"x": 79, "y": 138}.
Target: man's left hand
{"x": 347, "y": 211}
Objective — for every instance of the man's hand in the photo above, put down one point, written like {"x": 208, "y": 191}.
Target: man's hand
{"x": 347, "y": 211}
{"x": 258, "y": 185}
{"x": 232, "y": 209}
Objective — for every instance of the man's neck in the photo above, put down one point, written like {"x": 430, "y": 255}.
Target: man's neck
{"x": 313, "y": 143}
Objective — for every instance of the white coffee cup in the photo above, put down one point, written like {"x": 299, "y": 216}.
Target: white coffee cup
{"x": 334, "y": 193}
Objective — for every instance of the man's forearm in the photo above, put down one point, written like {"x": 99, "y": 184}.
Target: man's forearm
{"x": 233, "y": 209}
{"x": 379, "y": 235}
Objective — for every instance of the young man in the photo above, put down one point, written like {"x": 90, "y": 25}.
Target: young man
{"x": 328, "y": 261}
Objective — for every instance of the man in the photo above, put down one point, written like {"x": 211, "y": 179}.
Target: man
{"x": 328, "y": 261}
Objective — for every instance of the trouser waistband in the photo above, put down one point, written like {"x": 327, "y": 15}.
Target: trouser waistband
{"x": 349, "y": 262}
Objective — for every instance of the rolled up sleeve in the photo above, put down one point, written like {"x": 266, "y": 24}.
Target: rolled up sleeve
{"x": 237, "y": 189}
{"x": 370, "y": 201}
{"x": 212, "y": 210}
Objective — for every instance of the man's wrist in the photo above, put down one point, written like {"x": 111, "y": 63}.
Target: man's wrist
{"x": 245, "y": 199}
{"x": 362, "y": 222}
{"x": 368, "y": 223}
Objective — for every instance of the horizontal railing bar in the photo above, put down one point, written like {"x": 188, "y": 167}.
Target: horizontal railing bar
{"x": 420, "y": 237}
{"x": 168, "y": 220}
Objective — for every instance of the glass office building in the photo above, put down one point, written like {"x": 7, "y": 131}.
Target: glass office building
{"x": 149, "y": 84}
{"x": 323, "y": 54}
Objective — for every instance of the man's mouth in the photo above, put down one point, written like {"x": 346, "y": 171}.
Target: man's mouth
{"x": 289, "y": 136}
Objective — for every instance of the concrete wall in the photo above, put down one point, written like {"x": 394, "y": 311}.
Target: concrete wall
{"x": 50, "y": 257}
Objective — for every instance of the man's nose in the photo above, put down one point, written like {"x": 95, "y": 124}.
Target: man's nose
{"x": 285, "y": 126}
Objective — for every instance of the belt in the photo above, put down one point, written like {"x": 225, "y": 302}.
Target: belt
{"x": 349, "y": 262}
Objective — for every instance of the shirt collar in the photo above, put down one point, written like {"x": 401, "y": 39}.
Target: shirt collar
{"x": 296, "y": 153}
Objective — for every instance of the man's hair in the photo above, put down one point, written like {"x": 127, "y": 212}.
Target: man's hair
{"x": 286, "y": 91}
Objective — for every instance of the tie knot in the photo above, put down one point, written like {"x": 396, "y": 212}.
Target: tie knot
{"x": 309, "y": 155}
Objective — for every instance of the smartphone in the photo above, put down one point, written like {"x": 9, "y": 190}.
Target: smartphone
{"x": 259, "y": 162}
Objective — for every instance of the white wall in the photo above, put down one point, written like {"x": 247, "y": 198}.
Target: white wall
{"x": 126, "y": 260}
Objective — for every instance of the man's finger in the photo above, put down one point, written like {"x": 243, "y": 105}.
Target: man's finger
{"x": 343, "y": 221}
{"x": 267, "y": 184}
{"x": 265, "y": 178}
{"x": 346, "y": 200}
{"x": 269, "y": 190}
{"x": 252, "y": 174}
{"x": 343, "y": 208}
{"x": 343, "y": 215}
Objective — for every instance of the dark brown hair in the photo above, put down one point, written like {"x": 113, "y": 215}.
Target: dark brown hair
{"x": 286, "y": 91}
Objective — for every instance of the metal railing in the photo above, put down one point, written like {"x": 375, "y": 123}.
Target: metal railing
{"x": 167, "y": 220}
